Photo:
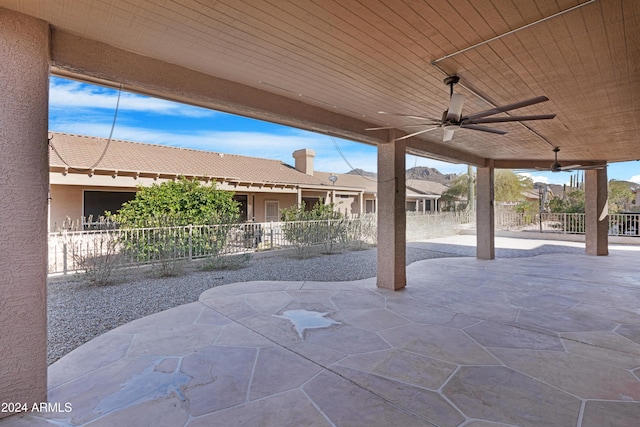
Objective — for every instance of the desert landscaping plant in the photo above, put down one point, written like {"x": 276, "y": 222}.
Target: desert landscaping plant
{"x": 226, "y": 262}
{"x": 362, "y": 232}
{"x": 319, "y": 226}
{"x": 97, "y": 254}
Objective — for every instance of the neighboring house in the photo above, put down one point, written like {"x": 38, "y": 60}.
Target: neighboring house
{"x": 424, "y": 196}
{"x": 87, "y": 178}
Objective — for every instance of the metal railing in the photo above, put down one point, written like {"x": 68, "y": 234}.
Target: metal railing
{"x": 566, "y": 223}
{"x": 70, "y": 251}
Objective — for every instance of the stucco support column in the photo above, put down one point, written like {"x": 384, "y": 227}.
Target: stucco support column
{"x": 596, "y": 209}
{"x": 391, "y": 214}
{"x": 485, "y": 237}
{"x": 24, "y": 179}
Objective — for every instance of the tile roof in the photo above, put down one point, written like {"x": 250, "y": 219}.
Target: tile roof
{"x": 81, "y": 152}
{"x": 366, "y": 183}
{"x": 426, "y": 187}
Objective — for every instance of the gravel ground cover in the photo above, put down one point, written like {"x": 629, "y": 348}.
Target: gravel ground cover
{"x": 79, "y": 311}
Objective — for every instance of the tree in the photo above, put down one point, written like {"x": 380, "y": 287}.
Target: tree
{"x": 573, "y": 202}
{"x": 457, "y": 191}
{"x": 509, "y": 186}
{"x": 620, "y": 196}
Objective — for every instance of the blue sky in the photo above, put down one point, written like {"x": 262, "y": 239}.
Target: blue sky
{"x": 88, "y": 110}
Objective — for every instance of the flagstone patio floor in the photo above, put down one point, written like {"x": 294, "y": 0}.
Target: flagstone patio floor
{"x": 545, "y": 340}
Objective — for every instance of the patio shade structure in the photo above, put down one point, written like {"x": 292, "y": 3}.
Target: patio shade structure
{"x": 327, "y": 67}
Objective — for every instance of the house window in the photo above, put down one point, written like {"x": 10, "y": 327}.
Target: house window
{"x": 427, "y": 205}
{"x": 272, "y": 209}
{"x": 242, "y": 205}
{"x": 370, "y": 206}
{"x": 96, "y": 203}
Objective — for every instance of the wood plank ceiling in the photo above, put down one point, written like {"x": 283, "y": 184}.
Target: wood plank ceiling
{"x": 356, "y": 58}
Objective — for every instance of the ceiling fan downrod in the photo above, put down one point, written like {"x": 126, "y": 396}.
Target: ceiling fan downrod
{"x": 450, "y": 81}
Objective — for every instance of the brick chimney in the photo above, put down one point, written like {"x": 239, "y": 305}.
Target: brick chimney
{"x": 304, "y": 160}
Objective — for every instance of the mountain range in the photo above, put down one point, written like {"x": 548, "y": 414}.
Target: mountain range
{"x": 422, "y": 173}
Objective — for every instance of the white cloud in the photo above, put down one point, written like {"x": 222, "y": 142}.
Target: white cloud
{"x": 535, "y": 178}
{"x": 70, "y": 94}
{"x": 559, "y": 178}
{"x": 635, "y": 178}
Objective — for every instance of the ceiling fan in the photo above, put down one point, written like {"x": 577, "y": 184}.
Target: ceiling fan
{"x": 557, "y": 167}
{"x": 453, "y": 119}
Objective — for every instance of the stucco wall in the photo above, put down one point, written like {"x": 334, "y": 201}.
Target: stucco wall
{"x": 284, "y": 201}
{"x": 66, "y": 201}
{"x": 24, "y": 79}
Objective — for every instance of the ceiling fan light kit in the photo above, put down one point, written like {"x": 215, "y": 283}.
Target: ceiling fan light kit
{"x": 453, "y": 119}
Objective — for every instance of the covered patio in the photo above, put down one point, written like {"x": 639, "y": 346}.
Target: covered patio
{"x": 545, "y": 340}
{"x": 331, "y": 67}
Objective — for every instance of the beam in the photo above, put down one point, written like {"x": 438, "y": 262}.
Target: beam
{"x": 440, "y": 151}
{"x": 79, "y": 58}
{"x": 87, "y": 60}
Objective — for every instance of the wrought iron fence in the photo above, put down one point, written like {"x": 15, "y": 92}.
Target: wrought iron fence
{"x": 566, "y": 223}
{"x": 70, "y": 251}
{"x": 624, "y": 224}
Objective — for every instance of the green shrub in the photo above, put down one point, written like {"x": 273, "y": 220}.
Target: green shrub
{"x": 157, "y": 223}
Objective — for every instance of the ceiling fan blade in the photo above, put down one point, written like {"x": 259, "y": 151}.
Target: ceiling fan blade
{"x": 569, "y": 167}
{"x": 504, "y": 108}
{"x": 482, "y": 128}
{"x": 580, "y": 167}
{"x": 455, "y": 107}
{"x": 409, "y": 115}
{"x": 448, "y": 135}
{"x": 403, "y": 126}
{"x": 416, "y": 133}
{"x": 509, "y": 119}
{"x": 593, "y": 167}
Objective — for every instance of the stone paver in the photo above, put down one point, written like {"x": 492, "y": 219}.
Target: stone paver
{"x": 501, "y": 394}
{"x": 550, "y": 340}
